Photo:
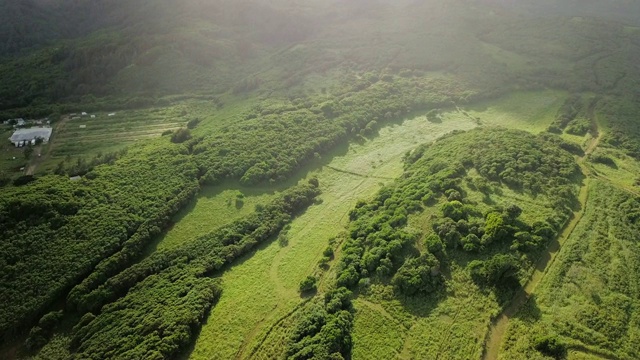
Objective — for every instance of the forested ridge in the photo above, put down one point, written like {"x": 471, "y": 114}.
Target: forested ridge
{"x": 117, "y": 192}
{"x": 496, "y": 247}
{"x": 283, "y": 85}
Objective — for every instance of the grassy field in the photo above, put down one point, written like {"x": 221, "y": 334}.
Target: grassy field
{"x": 529, "y": 111}
{"x": 624, "y": 172}
{"x": 8, "y": 166}
{"x": 589, "y": 298}
{"x": 265, "y": 283}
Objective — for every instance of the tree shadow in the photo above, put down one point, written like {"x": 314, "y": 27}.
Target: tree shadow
{"x": 421, "y": 305}
{"x": 529, "y": 312}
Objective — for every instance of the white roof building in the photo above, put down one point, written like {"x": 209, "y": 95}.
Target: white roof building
{"x": 25, "y": 135}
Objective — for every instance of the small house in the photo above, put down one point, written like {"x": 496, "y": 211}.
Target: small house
{"x": 84, "y": 113}
{"x": 93, "y": 116}
{"x": 83, "y": 126}
{"x": 112, "y": 114}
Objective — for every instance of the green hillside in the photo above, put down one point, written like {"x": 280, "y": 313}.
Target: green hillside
{"x": 320, "y": 180}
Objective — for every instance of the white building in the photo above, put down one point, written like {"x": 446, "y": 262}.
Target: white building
{"x": 23, "y": 136}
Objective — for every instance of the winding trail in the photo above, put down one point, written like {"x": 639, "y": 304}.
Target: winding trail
{"x": 500, "y": 324}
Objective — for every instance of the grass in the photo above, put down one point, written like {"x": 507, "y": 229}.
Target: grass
{"x": 531, "y": 111}
{"x": 425, "y": 327}
{"x": 451, "y": 327}
{"x": 625, "y": 173}
{"x": 264, "y": 284}
{"x": 86, "y": 137}
{"x": 8, "y": 166}
{"x": 371, "y": 323}
{"x": 214, "y": 207}
{"x": 590, "y": 295}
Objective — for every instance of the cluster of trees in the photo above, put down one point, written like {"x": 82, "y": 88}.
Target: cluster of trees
{"x": 324, "y": 329}
{"x": 274, "y": 141}
{"x": 418, "y": 275}
{"x": 572, "y": 106}
{"x": 377, "y": 232}
{"x": 154, "y": 308}
{"x": 378, "y": 246}
{"x": 621, "y": 114}
{"x": 56, "y": 231}
{"x": 575, "y": 116}
{"x": 81, "y": 167}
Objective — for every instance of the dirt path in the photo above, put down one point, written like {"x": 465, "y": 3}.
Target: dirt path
{"x": 500, "y": 324}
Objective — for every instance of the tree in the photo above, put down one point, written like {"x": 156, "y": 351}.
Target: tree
{"x": 500, "y": 270}
{"x": 308, "y": 284}
{"x": 454, "y": 210}
{"x": 193, "y": 123}
{"x": 551, "y": 346}
{"x": 513, "y": 211}
{"x": 421, "y": 274}
{"x": 181, "y": 135}
{"x": 28, "y": 151}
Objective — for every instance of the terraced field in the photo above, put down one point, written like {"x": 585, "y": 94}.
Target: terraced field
{"x": 87, "y": 135}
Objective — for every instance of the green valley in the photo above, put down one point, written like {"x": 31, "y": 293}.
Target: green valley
{"x": 315, "y": 180}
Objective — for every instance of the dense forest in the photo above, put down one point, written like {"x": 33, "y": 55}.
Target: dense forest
{"x": 258, "y": 98}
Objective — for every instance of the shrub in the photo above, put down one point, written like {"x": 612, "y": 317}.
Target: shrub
{"x": 180, "y": 136}
{"x": 193, "y": 123}
{"x": 418, "y": 275}
{"x": 308, "y": 284}
{"x": 551, "y": 346}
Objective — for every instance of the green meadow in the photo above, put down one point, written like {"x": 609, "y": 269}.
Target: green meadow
{"x": 265, "y": 284}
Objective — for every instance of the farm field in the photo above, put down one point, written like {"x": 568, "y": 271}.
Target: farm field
{"x": 265, "y": 284}
{"x": 87, "y": 137}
